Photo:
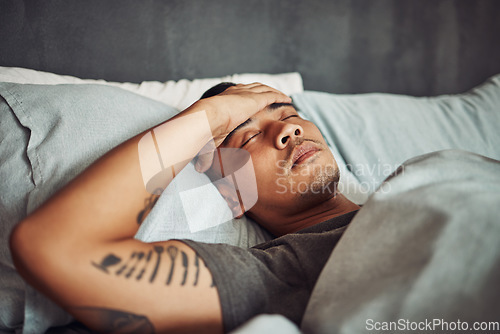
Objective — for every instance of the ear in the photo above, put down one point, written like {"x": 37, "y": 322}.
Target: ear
{"x": 230, "y": 195}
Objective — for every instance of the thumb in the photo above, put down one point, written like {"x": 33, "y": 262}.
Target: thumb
{"x": 203, "y": 162}
{"x": 205, "y": 157}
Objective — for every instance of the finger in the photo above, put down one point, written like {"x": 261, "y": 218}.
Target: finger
{"x": 243, "y": 86}
{"x": 204, "y": 162}
{"x": 250, "y": 85}
{"x": 205, "y": 157}
{"x": 267, "y": 89}
{"x": 260, "y": 87}
{"x": 255, "y": 87}
{"x": 209, "y": 147}
{"x": 272, "y": 97}
{"x": 264, "y": 94}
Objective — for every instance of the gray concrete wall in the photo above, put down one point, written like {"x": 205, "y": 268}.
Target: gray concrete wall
{"x": 418, "y": 47}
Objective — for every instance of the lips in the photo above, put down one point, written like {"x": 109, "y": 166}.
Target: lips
{"x": 303, "y": 152}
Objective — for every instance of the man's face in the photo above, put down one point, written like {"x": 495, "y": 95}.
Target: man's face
{"x": 293, "y": 165}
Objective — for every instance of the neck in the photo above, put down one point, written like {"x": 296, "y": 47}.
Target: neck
{"x": 330, "y": 208}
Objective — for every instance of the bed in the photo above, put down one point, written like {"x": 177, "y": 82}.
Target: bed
{"x": 377, "y": 112}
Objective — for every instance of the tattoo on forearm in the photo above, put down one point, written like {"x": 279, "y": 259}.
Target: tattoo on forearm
{"x": 149, "y": 203}
{"x": 148, "y": 257}
{"x": 172, "y": 252}
{"x": 158, "y": 250}
{"x": 185, "y": 265}
{"x": 139, "y": 257}
{"x": 197, "y": 265}
{"x": 213, "y": 282}
{"x": 122, "y": 268}
{"x": 108, "y": 261}
{"x": 115, "y": 321}
{"x": 141, "y": 260}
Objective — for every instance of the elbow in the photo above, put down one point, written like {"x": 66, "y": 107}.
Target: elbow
{"x": 28, "y": 248}
{"x": 19, "y": 243}
{"x": 34, "y": 254}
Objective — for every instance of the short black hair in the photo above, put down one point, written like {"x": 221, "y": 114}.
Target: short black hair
{"x": 217, "y": 89}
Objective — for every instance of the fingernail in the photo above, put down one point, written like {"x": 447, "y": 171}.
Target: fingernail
{"x": 197, "y": 166}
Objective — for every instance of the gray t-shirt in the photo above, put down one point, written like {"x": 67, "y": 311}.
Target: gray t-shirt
{"x": 275, "y": 277}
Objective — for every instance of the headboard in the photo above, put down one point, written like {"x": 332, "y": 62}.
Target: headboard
{"x": 340, "y": 46}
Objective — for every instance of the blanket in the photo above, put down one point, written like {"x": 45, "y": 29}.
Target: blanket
{"x": 423, "y": 253}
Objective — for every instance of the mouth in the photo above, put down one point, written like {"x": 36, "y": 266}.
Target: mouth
{"x": 303, "y": 152}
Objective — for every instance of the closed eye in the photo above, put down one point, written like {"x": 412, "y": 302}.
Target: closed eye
{"x": 246, "y": 142}
{"x": 290, "y": 117}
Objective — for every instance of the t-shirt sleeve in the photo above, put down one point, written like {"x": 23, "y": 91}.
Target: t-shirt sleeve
{"x": 253, "y": 281}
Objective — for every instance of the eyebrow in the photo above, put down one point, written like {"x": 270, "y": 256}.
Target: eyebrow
{"x": 272, "y": 107}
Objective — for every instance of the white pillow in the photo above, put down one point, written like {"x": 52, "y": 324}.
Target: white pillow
{"x": 179, "y": 94}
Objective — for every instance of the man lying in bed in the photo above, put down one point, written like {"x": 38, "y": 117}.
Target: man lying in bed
{"x": 79, "y": 248}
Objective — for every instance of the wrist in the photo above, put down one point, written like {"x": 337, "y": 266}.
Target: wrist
{"x": 217, "y": 119}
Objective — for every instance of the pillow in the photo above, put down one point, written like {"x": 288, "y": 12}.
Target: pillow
{"x": 180, "y": 94}
{"x": 51, "y": 133}
{"x": 372, "y": 134}
{"x": 15, "y": 186}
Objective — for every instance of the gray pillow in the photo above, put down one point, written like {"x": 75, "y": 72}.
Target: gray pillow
{"x": 52, "y": 133}
{"x": 15, "y": 185}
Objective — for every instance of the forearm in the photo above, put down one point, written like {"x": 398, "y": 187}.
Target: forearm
{"x": 108, "y": 200}
{"x": 104, "y": 202}
{"x": 63, "y": 248}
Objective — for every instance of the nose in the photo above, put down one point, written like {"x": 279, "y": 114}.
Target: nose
{"x": 287, "y": 133}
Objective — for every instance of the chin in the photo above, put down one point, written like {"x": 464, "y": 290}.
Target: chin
{"x": 322, "y": 185}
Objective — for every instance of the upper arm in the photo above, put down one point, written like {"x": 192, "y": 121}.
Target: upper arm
{"x": 124, "y": 286}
